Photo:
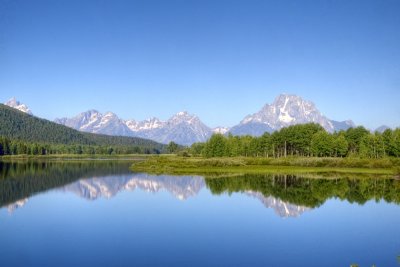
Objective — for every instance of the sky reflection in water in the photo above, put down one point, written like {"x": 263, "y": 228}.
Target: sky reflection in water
{"x": 106, "y": 216}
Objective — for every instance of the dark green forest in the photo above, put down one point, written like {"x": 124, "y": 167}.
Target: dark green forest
{"x": 305, "y": 140}
{"x": 21, "y": 133}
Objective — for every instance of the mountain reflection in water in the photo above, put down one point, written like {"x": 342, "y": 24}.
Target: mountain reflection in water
{"x": 287, "y": 195}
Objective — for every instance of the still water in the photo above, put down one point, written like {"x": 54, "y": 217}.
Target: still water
{"x": 102, "y": 214}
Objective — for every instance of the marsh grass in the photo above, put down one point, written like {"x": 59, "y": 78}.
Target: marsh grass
{"x": 290, "y": 165}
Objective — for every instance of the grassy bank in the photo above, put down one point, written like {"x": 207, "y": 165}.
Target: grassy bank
{"x": 290, "y": 165}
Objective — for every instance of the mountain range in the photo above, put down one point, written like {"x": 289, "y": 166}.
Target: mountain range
{"x": 185, "y": 129}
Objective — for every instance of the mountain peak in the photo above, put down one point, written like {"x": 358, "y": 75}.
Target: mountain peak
{"x": 182, "y": 116}
{"x": 284, "y": 100}
{"x": 286, "y": 110}
{"x": 14, "y": 103}
{"x": 182, "y": 113}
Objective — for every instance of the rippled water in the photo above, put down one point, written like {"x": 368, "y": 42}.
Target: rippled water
{"x": 101, "y": 214}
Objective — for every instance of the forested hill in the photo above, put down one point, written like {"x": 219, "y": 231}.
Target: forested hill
{"x": 17, "y": 125}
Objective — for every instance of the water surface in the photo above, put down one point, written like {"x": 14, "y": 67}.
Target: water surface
{"x": 101, "y": 214}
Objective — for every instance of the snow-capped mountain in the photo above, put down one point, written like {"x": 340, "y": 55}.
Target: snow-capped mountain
{"x": 286, "y": 110}
{"x": 146, "y": 125}
{"x": 182, "y": 128}
{"x": 13, "y": 103}
{"x": 93, "y": 121}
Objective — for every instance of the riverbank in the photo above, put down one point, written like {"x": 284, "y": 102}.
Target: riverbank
{"x": 289, "y": 165}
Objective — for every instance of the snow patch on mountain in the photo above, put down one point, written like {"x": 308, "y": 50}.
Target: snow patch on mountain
{"x": 149, "y": 124}
{"x": 13, "y": 103}
{"x": 220, "y": 130}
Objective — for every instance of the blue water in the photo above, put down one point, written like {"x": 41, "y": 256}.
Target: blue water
{"x": 128, "y": 219}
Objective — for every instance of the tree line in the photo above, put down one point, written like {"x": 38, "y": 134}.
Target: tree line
{"x": 306, "y": 140}
{"x": 17, "y": 147}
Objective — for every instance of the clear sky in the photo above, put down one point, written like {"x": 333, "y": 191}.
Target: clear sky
{"x": 218, "y": 59}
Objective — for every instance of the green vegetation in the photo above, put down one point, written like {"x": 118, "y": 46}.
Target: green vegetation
{"x": 306, "y": 140}
{"x": 288, "y": 165}
{"x": 21, "y": 133}
{"x": 305, "y": 148}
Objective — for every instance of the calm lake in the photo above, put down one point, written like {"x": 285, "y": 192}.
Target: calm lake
{"x": 99, "y": 213}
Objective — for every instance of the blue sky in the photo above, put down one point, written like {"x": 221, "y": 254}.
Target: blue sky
{"x": 218, "y": 59}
